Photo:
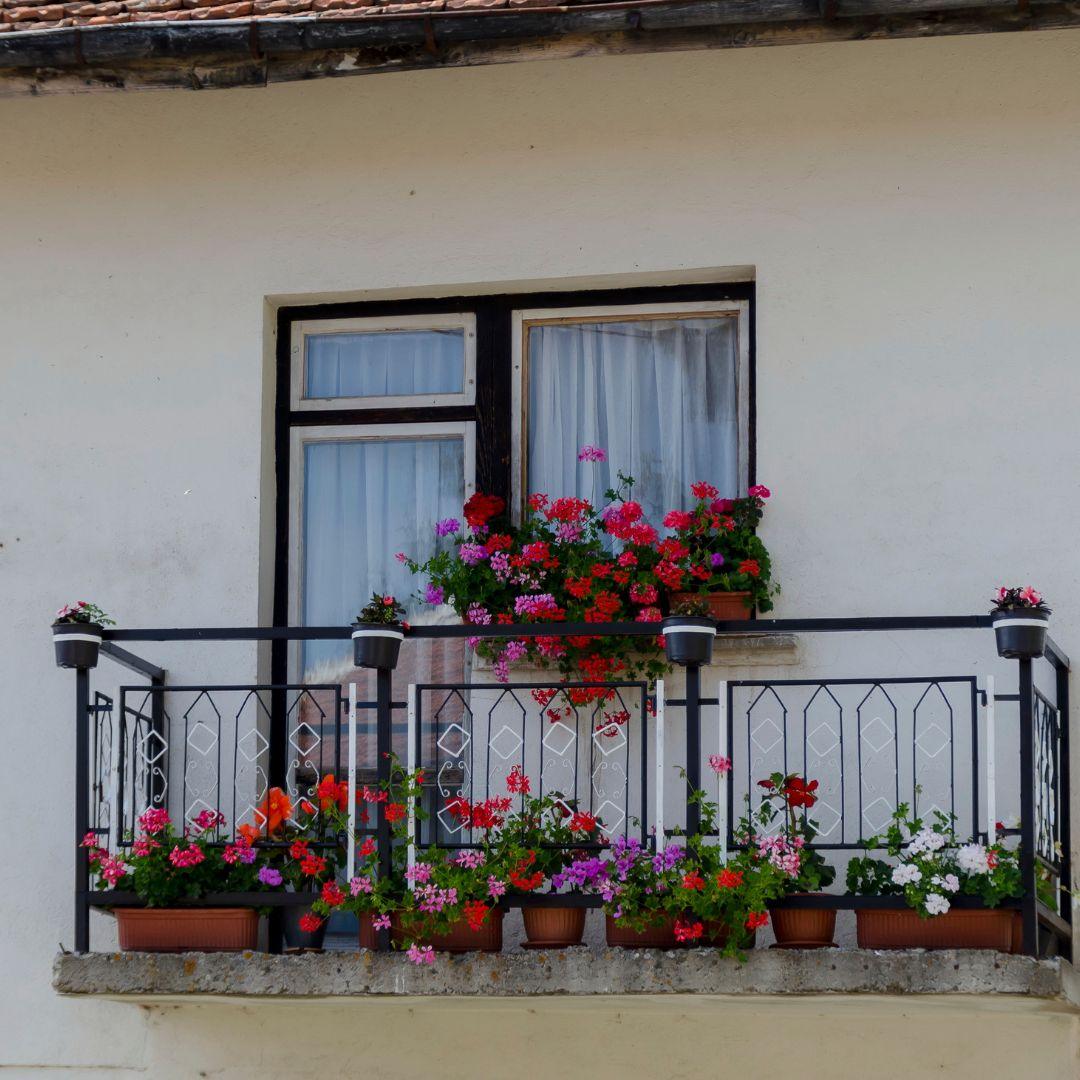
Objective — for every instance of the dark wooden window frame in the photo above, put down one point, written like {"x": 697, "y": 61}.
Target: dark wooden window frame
{"x": 492, "y": 409}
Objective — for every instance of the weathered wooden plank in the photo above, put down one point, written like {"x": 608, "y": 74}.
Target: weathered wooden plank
{"x": 369, "y": 54}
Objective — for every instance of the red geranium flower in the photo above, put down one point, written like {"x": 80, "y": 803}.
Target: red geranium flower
{"x": 480, "y": 509}
{"x": 309, "y": 923}
{"x": 751, "y": 567}
{"x": 332, "y": 894}
{"x": 395, "y": 812}
{"x": 688, "y": 931}
{"x": 367, "y": 848}
{"x": 693, "y": 880}
{"x": 798, "y": 792}
{"x": 582, "y": 822}
{"x": 729, "y": 879}
{"x": 475, "y": 913}
{"x": 756, "y": 919}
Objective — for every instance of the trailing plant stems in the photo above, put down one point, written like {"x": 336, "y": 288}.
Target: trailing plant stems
{"x": 1031, "y": 910}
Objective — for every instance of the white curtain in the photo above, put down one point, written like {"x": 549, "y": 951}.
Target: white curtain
{"x": 659, "y": 395}
{"x": 385, "y": 363}
{"x": 364, "y": 501}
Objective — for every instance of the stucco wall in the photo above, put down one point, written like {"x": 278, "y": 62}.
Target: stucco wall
{"x": 910, "y": 213}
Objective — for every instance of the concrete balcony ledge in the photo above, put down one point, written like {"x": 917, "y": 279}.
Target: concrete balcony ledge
{"x": 580, "y": 971}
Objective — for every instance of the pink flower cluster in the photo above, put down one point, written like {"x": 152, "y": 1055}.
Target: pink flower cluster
{"x": 420, "y": 873}
{"x": 421, "y": 954}
{"x": 470, "y": 859}
{"x": 719, "y": 764}
{"x": 431, "y": 899}
{"x": 154, "y": 820}
{"x": 360, "y": 885}
{"x": 181, "y": 858}
{"x": 784, "y": 855}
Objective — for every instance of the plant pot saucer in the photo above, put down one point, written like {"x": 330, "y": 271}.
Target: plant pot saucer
{"x": 805, "y": 945}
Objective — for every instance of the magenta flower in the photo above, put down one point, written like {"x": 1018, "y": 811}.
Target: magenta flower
{"x": 1030, "y": 596}
{"x": 759, "y": 491}
{"x": 716, "y": 559}
{"x": 381, "y": 922}
{"x": 592, "y": 453}
{"x": 269, "y": 876}
{"x": 719, "y": 764}
{"x": 433, "y": 594}
{"x": 421, "y": 954}
{"x": 471, "y": 554}
{"x": 447, "y": 527}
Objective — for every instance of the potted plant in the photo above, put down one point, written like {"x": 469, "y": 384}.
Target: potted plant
{"x": 719, "y": 555}
{"x": 689, "y": 632}
{"x": 378, "y": 633}
{"x": 723, "y": 899}
{"x": 77, "y": 632}
{"x": 930, "y": 867}
{"x": 371, "y": 897}
{"x": 805, "y": 871}
{"x": 1020, "y": 619}
{"x": 168, "y": 871}
{"x": 308, "y": 854}
{"x": 538, "y": 842}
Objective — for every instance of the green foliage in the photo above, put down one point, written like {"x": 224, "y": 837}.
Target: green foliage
{"x": 380, "y": 610}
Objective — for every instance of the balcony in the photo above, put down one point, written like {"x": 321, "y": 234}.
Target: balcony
{"x": 987, "y": 743}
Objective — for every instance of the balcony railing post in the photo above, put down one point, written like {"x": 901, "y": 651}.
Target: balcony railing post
{"x": 693, "y": 745}
{"x": 1064, "y": 792}
{"x": 1029, "y": 914}
{"x": 384, "y": 745}
{"x": 82, "y": 808}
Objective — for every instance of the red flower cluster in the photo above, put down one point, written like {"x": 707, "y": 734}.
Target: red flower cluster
{"x": 480, "y": 509}
{"x": 332, "y": 894}
{"x": 488, "y": 814}
{"x": 729, "y": 879}
{"x": 309, "y": 923}
{"x": 685, "y": 930}
{"x": 475, "y": 913}
{"x": 517, "y": 782}
{"x": 795, "y": 790}
{"x": 526, "y": 882}
{"x": 582, "y": 822}
{"x": 693, "y": 881}
{"x": 395, "y": 812}
{"x": 331, "y": 792}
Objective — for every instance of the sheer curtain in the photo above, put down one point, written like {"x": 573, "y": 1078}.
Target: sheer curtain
{"x": 385, "y": 363}
{"x": 659, "y": 395}
{"x": 365, "y": 500}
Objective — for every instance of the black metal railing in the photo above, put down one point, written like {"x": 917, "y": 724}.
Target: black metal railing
{"x": 872, "y": 742}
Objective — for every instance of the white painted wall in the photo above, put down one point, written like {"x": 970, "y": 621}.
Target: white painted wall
{"x": 910, "y": 211}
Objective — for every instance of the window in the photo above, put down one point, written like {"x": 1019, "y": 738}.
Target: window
{"x": 664, "y": 389}
{"x": 390, "y": 413}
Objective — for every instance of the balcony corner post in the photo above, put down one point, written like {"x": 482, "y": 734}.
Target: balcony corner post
{"x": 82, "y": 809}
{"x": 1028, "y": 904}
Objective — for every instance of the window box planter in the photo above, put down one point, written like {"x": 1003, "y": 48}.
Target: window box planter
{"x": 620, "y": 936}
{"x": 553, "y": 927}
{"x": 297, "y": 938}
{"x": 723, "y": 606}
{"x": 803, "y": 928}
{"x": 187, "y": 929}
{"x": 77, "y": 644}
{"x": 1021, "y": 634}
{"x": 688, "y": 639}
{"x": 460, "y": 938}
{"x": 376, "y": 645}
{"x": 903, "y": 928}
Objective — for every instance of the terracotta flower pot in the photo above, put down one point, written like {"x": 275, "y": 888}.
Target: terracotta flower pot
{"x": 187, "y": 929}
{"x": 887, "y": 928}
{"x": 369, "y": 936}
{"x": 460, "y": 938}
{"x": 730, "y": 606}
{"x": 803, "y": 928}
{"x": 620, "y": 936}
{"x": 553, "y": 927}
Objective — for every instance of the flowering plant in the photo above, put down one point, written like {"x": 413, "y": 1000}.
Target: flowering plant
{"x": 83, "y": 612}
{"x": 1018, "y": 598}
{"x": 932, "y": 866}
{"x": 309, "y": 844}
{"x": 715, "y": 546}
{"x": 784, "y": 796}
{"x": 382, "y": 610}
{"x": 163, "y": 867}
{"x": 556, "y": 566}
{"x": 731, "y": 891}
{"x": 541, "y": 837}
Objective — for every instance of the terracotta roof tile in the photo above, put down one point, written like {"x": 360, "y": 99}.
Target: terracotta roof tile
{"x": 19, "y": 15}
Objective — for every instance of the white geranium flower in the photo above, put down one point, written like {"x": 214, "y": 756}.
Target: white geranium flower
{"x": 948, "y": 883}
{"x": 936, "y": 904}
{"x": 973, "y": 859}
{"x": 926, "y": 840}
{"x": 906, "y": 874}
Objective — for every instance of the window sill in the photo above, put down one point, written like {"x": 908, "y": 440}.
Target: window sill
{"x": 582, "y": 971}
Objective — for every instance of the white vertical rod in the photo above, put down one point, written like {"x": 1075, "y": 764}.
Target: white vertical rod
{"x": 722, "y": 781}
{"x": 991, "y": 766}
{"x": 350, "y": 858}
{"x": 411, "y": 760}
{"x": 660, "y": 840}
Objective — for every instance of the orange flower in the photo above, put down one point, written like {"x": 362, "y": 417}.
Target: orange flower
{"x": 275, "y": 810}
{"x": 249, "y": 832}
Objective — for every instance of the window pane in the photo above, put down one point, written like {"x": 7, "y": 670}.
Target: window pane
{"x": 385, "y": 363}
{"x": 365, "y": 500}
{"x": 659, "y": 395}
